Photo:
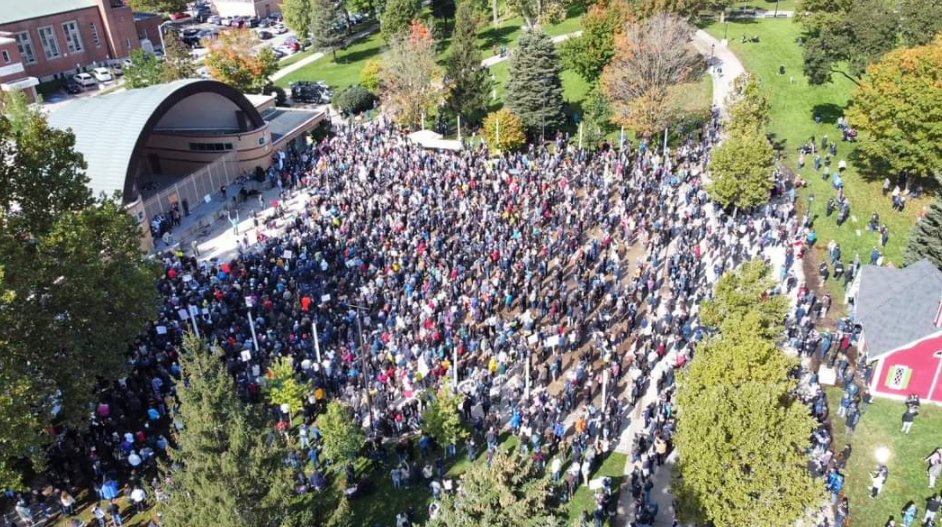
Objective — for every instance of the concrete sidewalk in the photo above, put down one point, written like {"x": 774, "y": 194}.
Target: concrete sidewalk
{"x": 723, "y": 66}
{"x": 490, "y": 61}
{"x": 287, "y": 70}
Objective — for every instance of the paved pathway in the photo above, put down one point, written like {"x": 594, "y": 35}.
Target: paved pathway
{"x": 490, "y": 61}
{"x": 723, "y": 66}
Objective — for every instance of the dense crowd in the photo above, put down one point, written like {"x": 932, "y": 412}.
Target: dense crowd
{"x": 413, "y": 264}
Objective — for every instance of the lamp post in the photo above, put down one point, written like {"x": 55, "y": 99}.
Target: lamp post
{"x": 249, "y": 302}
{"x": 776, "y": 9}
{"x": 160, "y": 31}
{"x": 317, "y": 344}
{"x": 369, "y": 398}
{"x": 726, "y": 30}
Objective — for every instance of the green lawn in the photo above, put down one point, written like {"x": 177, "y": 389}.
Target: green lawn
{"x": 880, "y": 427}
{"x": 346, "y": 71}
{"x": 584, "y": 499}
{"x": 793, "y": 109}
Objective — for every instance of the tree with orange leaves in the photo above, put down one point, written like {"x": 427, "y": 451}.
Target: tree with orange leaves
{"x": 651, "y": 56}
{"x": 898, "y": 107}
{"x": 232, "y": 60}
{"x": 411, "y": 80}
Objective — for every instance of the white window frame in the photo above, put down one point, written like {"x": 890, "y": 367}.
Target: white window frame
{"x": 73, "y": 37}
{"x": 25, "y": 44}
{"x": 95, "y": 38}
{"x": 898, "y": 377}
{"x": 49, "y": 43}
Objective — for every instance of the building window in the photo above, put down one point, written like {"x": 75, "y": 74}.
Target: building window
{"x": 210, "y": 147}
{"x": 25, "y": 44}
{"x": 95, "y": 39}
{"x": 6, "y": 57}
{"x": 898, "y": 377}
{"x": 47, "y": 38}
{"x": 72, "y": 36}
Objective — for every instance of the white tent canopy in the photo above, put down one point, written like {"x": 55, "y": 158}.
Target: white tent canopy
{"x": 434, "y": 141}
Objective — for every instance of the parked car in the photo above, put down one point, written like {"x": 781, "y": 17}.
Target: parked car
{"x": 279, "y": 29}
{"x": 216, "y": 20}
{"x": 102, "y": 74}
{"x": 265, "y": 23}
{"x": 278, "y": 52}
{"x": 283, "y": 51}
{"x": 117, "y": 69}
{"x": 179, "y": 16}
{"x": 85, "y": 80}
{"x": 310, "y": 92}
{"x": 72, "y": 87}
{"x": 252, "y": 22}
{"x": 265, "y": 35}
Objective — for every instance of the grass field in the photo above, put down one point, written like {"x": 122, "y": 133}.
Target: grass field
{"x": 880, "y": 427}
{"x": 346, "y": 71}
{"x": 794, "y": 106}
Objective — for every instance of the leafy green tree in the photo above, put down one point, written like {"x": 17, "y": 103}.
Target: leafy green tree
{"x": 342, "y": 437}
{"x": 741, "y": 170}
{"x": 749, "y": 107}
{"x": 233, "y": 59}
{"x": 595, "y": 122}
{"x": 370, "y": 75}
{"x": 70, "y": 261}
{"x": 342, "y": 516}
{"x": 926, "y": 238}
{"x": 354, "y": 100}
{"x": 298, "y": 16}
{"x": 157, "y": 6}
{"x": 144, "y": 70}
{"x": 411, "y": 79}
{"x": 397, "y": 17}
{"x": 589, "y": 53}
{"x": 177, "y": 63}
{"x": 898, "y": 108}
{"x": 229, "y": 469}
{"x": 442, "y": 418}
{"x": 325, "y": 33}
{"x": 855, "y": 34}
{"x": 682, "y": 8}
{"x": 503, "y": 131}
{"x": 367, "y": 7}
{"x": 469, "y": 81}
{"x": 534, "y": 88}
{"x": 742, "y": 292}
{"x": 283, "y": 387}
{"x": 508, "y": 493}
{"x": 920, "y": 21}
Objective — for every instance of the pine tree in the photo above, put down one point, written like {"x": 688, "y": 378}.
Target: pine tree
{"x": 397, "y": 17}
{"x": 325, "y": 33}
{"x": 506, "y": 493}
{"x": 926, "y": 238}
{"x": 534, "y": 89}
{"x": 228, "y": 470}
{"x": 469, "y": 81}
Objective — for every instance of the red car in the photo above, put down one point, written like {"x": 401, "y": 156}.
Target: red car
{"x": 178, "y": 16}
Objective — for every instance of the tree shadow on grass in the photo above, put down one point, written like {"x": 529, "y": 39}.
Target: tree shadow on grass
{"x": 359, "y": 55}
{"x": 496, "y": 36}
{"x": 828, "y": 112}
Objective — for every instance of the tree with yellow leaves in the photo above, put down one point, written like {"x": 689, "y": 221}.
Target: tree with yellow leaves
{"x": 651, "y": 56}
{"x": 411, "y": 80}
{"x": 233, "y": 60}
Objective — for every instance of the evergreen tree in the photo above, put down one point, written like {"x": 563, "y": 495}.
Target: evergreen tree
{"x": 341, "y": 436}
{"x": 468, "y": 80}
{"x": 397, "y": 17}
{"x": 229, "y": 468}
{"x": 926, "y": 238}
{"x": 506, "y": 493}
{"x": 534, "y": 88}
{"x": 325, "y": 33}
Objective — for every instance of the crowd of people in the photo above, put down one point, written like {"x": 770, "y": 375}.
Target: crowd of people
{"x": 561, "y": 285}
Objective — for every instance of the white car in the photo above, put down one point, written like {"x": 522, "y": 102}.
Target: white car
{"x": 279, "y": 29}
{"x": 102, "y": 74}
{"x": 85, "y": 80}
{"x": 285, "y": 50}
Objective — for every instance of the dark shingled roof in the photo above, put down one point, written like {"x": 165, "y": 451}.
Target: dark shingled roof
{"x": 897, "y": 306}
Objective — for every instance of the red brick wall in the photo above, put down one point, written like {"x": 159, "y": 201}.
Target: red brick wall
{"x": 151, "y": 28}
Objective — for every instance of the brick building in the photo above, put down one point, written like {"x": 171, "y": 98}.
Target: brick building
{"x": 55, "y": 38}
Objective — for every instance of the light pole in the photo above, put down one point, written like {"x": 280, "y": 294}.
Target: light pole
{"x": 776, "y": 9}
{"x": 369, "y": 398}
{"x": 160, "y": 31}
{"x": 249, "y": 302}
{"x": 317, "y": 344}
{"x": 726, "y": 30}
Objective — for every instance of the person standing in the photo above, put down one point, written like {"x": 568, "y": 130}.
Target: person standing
{"x": 843, "y": 511}
{"x": 878, "y": 479}
{"x": 932, "y": 507}
{"x": 935, "y": 466}
{"x": 909, "y": 514}
{"x": 908, "y": 417}
{"x": 24, "y": 512}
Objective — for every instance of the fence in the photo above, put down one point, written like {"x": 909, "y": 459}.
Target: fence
{"x": 193, "y": 188}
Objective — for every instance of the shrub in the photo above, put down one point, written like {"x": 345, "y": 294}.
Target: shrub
{"x": 369, "y": 75}
{"x": 281, "y": 98}
{"x": 354, "y": 100}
